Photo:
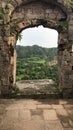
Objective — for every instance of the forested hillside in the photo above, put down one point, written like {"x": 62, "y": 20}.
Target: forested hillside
{"x": 33, "y": 63}
{"x": 32, "y": 51}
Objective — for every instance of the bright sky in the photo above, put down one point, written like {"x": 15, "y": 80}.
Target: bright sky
{"x": 41, "y": 36}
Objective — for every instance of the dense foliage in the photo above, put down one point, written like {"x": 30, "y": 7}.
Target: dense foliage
{"x": 33, "y": 63}
{"x": 33, "y": 51}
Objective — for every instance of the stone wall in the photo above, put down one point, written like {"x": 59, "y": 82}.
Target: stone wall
{"x": 15, "y": 16}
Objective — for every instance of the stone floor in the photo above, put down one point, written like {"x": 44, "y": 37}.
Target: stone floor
{"x": 39, "y": 114}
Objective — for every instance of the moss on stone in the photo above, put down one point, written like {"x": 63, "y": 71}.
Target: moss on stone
{"x": 1, "y": 15}
{"x": 63, "y": 24}
{"x": 7, "y": 6}
{"x": 15, "y": 89}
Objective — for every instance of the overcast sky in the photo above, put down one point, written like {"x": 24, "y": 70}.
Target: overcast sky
{"x": 39, "y": 36}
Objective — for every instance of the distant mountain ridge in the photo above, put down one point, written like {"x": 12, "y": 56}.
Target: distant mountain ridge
{"x": 36, "y": 51}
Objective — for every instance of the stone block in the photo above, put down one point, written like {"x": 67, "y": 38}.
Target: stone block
{"x": 44, "y": 106}
{"x": 71, "y": 35}
{"x": 30, "y": 106}
{"x": 71, "y": 78}
{"x": 61, "y": 112}
{"x": 24, "y": 115}
{"x": 54, "y": 125}
{"x": 50, "y": 115}
{"x": 52, "y": 15}
{"x": 59, "y": 106}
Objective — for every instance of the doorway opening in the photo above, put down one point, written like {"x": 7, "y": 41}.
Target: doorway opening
{"x": 37, "y": 58}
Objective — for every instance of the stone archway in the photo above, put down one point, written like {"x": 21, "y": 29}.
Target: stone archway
{"x": 18, "y": 15}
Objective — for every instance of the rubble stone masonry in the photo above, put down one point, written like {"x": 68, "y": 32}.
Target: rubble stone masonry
{"x": 17, "y": 15}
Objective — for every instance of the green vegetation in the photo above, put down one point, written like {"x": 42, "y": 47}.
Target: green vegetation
{"x": 19, "y": 36}
{"x": 69, "y": 2}
{"x": 1, "y": 15}
{"x": 7, "y": 6}
{"x": 15, "y": 89}
{"x": 63, "y": 23}
{"x": 33, "y": 63}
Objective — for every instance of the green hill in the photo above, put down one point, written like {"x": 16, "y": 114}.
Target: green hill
{"x": 33, "y": 51}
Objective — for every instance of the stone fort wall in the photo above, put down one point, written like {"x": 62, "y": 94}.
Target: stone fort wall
{"x": 17, "y": 15}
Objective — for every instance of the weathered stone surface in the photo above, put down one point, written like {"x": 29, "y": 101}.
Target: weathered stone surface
{"x": 53, "y": 125}
{"x": 19, "y": 118}
{"x": 25, "y": 115}
{"x": 50, "y": 115}
{"x": 44, "y": 106}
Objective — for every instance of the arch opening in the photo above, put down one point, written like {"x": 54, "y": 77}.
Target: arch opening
{"x": 37, "y": 56}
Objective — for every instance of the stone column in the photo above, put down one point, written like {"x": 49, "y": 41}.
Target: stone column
{"x": 5, "y": 68}
{"x": 70, "y": 51}
{"x": 66, "y": 61}
{"x": 7, "y": 65}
